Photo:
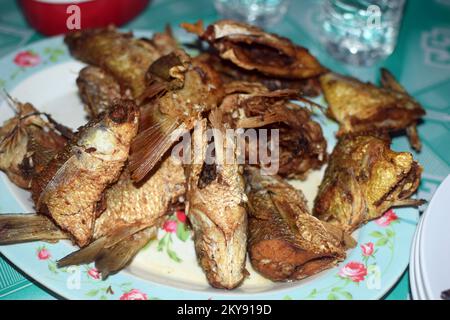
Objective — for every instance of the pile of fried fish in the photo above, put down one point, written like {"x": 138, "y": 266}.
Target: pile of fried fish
{"x": 108, "y": 186}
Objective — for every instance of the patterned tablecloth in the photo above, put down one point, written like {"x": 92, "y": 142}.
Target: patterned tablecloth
{"x": 421, "y": 61}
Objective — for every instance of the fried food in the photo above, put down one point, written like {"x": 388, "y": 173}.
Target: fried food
{"x": 28, "y": 141}
{"x": 215, "y": 208}
{"x": 363, "y": 107}
{"x": 119, "y": 54}
{"x": 17, "y": 228}
{"x": 128, "y": 203}
{"x": 98, "y": 90}
{"x": 285, "y": 241}
{"x": 302, "y": 146}
{"x": 251, "y": 48}
{"x": 182, "y": 90}
{"x": 229, "y": 72}
{"x": 365, "y": 178}
{"x": 69, "y": 188}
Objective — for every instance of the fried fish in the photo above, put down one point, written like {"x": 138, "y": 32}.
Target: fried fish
{"x": 215, "y": 208}
{"x": 182, "y": 90}
{"x": 251, "y": 48}
{"x": 229, "y": 72}
{"x": 119, "y": 54}
{"x": 285, "y": 241}
{"x": 363, "y": 107}
{"x": 365, "y": 178}
{"x": 70, "y": 187}
{"x": 98, "y": 90}
{"x": 28, "y": 141}
{"x": 302, "y": 146}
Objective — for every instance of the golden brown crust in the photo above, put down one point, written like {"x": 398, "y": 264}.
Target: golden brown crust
{"x": 285, "y": 241}
{"x": 130, "y": 204}
{"x": 251, "y": 48}
{"x": 364, "y": 178}
{"x": 363, "y": 107}
{"x": 215, "y": 208}
{"x": 124, "y": 57}
{"x": 71, "y": 185}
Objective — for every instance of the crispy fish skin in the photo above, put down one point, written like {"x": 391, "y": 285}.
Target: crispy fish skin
{"x": 27, "y": 143}
{"x": 130, "y": 204}
{"x": 98, "y": 90}
{"x": 302, "y": 146}
{"x": 365, "y": 178}
{"x": 71, "y": 185}
{"x": 124, "y": 57}
{"x": 215, "y": 208}
{"x": 285, "y": 241}
{"x": 229, "y": 72}
{"x": 363, "y": 107}
{"x": 251, "y": 48}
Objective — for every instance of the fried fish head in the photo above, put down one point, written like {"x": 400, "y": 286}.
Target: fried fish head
{"x": 363, "y": 107}
{"x": 285, "y": 241}
{"x": 70, "y": 187}
{"x": 365, "y": 178}
{"x": 251, "y": 48}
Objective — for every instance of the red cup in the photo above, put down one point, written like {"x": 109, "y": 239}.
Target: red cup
{"x": 52, "y": 17}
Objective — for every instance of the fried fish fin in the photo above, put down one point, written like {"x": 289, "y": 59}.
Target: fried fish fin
{"x": 388, "y": 81}
{"x": 364, "y": 179}
{"x": 117, "y": 257}
{"x": 27, "y": 143}
{"x": 110, "y": 252}
{"x": 17, "y": 228}
{"x": 285, "y": 241}
{"x": 182, "y": 90}
{"x": 363, "y": 107}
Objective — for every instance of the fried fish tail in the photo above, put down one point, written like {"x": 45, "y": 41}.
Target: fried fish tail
{"x": 17, "y": 228}
{"x": 112, "y": 253}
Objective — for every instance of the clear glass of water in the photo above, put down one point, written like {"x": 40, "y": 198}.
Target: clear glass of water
{"x": 361, "y": 32}
{"x": 257, "y": 12}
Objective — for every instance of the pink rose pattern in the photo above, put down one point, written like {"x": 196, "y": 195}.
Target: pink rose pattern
{"x": 43, "y": 254}
{"x": 94, "y": 273}
{"x": 367, "y": 249}
{"x": 170, "y": 226}
{"x": 355, "y": 271}
{"x": 387, "y": 218}
{"x": 134, "y": 294}
{"x": 27, "y": 59}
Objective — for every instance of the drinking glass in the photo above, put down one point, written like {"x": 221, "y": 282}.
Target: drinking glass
{"x": 258, "y": 12}
{"x": 360, "y": 32}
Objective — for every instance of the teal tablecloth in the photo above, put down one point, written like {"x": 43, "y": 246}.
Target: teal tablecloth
{"x": 421, "y": 62}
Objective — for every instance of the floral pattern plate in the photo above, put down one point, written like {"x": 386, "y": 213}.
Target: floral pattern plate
{"x": 44, "y": 73}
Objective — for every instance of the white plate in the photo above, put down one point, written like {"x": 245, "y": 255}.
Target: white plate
{"x": 434, "y": 243}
